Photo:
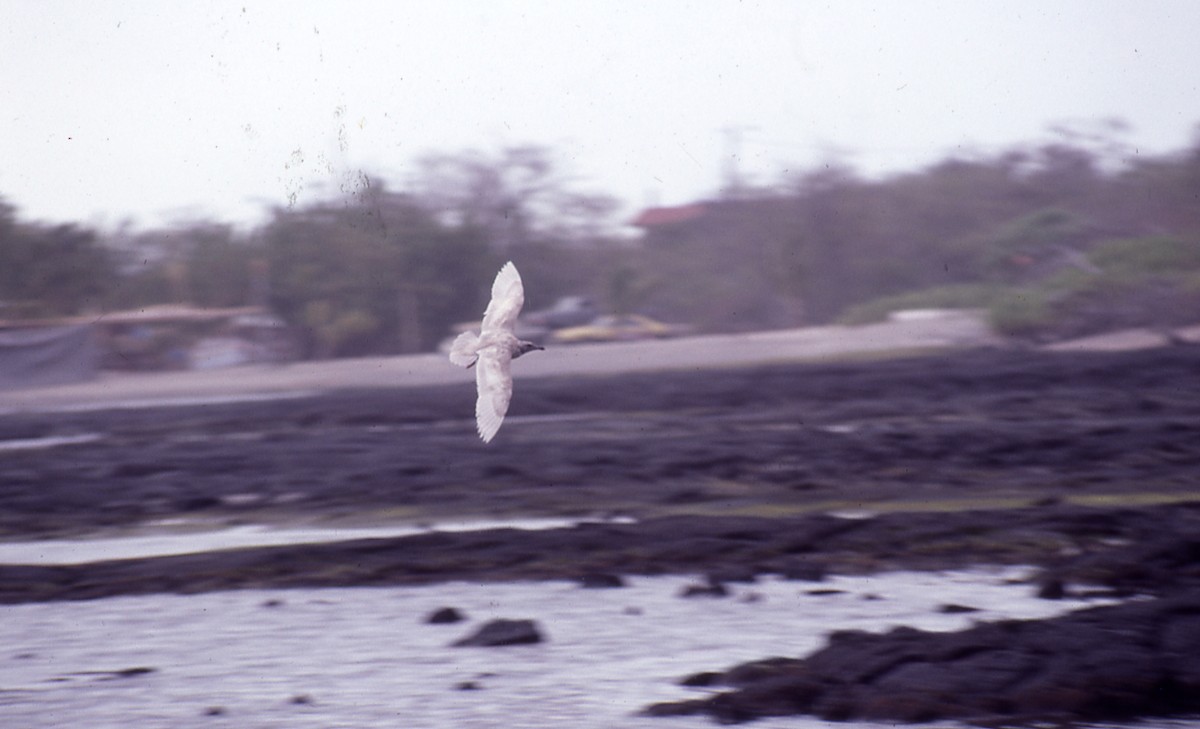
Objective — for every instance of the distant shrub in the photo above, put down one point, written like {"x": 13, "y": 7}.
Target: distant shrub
{"x": 952, "y": 296}
{"x": 1141, "y": 256}
{"x": 1026, "y": 244}
{"x": 1022, "y": 312}
{"x": 1152, "y": 281}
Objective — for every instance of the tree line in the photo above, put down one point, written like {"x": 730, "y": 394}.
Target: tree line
{"x": 1057, "y": 239}
{"x": 1061, "y": 239}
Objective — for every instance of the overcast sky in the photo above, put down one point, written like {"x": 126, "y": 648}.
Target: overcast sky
{"x": 165, "y": 111}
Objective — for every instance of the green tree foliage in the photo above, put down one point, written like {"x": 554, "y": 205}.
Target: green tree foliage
{"x": 1065, "y": 236}
{"x": 50, "y": 270}
{"x": 1154, "y": 255}
{"x": 382, "y": 271}
{"x": 1020, "y": 248}
{"x": 516, "y": 197}
{"x": 200, "y": 263}
{"x": 218, "y": 266}
{"x": 831, "y": 242}
{"x": 1149, "y": 281}
{"x": 374, "y": 274}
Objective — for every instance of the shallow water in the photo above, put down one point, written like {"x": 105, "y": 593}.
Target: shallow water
{"x": 83, "y": 405}
{"x": 184, "y": 537}
{"x": 363, "y": 657}
{"x": 32, "y": 444}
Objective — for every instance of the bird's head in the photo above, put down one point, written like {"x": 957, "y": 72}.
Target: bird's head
{"x": 523, "y": 347}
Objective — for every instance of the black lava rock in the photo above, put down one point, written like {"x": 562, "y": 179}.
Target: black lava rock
{"x": 444, "y": 615}
{"x": 1105, "y": 664}
{"x": 712, "y": 589}
{"x": 601, "y": 580}
{"x": 1052, "y": 588}
{"x": 503, "y": 632}
{"x": 951, "y": 608}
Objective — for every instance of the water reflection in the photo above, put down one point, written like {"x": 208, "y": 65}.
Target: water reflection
{"x": 364, "y": 657}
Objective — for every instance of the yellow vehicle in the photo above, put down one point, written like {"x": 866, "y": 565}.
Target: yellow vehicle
{"x": 618, "y": 329}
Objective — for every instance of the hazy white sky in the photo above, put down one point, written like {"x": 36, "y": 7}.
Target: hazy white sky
{"x": 161, "y": 111}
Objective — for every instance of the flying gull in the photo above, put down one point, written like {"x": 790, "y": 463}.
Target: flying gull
{"x": 492, "y": 351}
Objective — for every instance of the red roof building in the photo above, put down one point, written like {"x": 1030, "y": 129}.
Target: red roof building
{"x": 654, "y": 217}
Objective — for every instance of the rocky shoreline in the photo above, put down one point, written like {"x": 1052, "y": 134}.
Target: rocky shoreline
{"x": 1083, "y": 465}
{"x": 967, "y": 430}
{"x": 1110, "y": 552}
{"x": 1138, "y": 658}
{"x": 1111, "y": 663}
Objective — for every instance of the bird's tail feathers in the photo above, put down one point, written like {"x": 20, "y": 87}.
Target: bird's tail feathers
{"x": 464, "y": 350}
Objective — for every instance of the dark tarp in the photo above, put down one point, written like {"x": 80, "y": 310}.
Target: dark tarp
{"x": 32, "y": 357}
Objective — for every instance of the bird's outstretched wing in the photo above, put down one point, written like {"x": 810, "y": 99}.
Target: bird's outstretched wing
{"x": 494, "y": 384}
{"x": 508, "y": 296}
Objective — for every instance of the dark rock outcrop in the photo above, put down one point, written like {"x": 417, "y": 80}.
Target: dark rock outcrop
{"x": 1043, "y": 427}
{"x": 445, "y": 615}
{"x": 503, "y": 632}
{"x": 1124, "y": 551}
{"x": 1112, "y": 663}
{"x": 952, "y": 608}
{"x": 601, "y": 580}
{"x": 706, "y": 589}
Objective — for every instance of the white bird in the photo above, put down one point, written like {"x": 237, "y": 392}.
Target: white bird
{"x": 492, "y": 351}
